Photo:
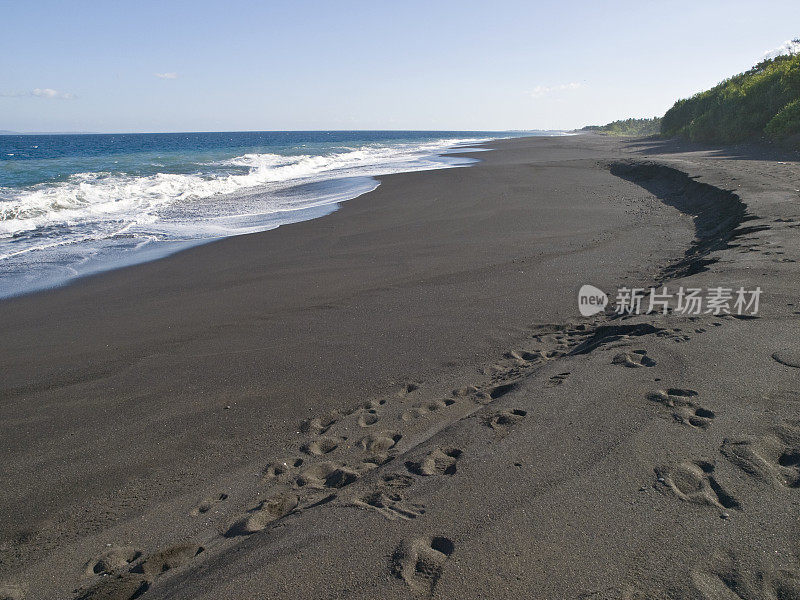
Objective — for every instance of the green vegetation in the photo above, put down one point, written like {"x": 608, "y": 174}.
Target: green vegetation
{"x": 763, "y": 102}
{"x": 786, "y": 123}
{"x": 633, "y": 127}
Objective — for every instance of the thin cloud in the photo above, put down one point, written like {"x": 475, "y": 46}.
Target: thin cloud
{"x": 49, "y": 93}
{"x": 787, "y": 47}
{"x": 543, "y": 90}
{"x": 166, "y": 75}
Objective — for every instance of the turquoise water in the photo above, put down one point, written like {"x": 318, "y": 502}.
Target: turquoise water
{"x": 72, "y": 205}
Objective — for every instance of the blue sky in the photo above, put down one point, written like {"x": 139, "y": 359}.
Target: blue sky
{"x": 234, "y": 65}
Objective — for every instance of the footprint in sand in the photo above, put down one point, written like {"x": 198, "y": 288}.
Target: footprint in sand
{"x": 319, "y": 425}
{"x": 502, "y": 420}
{"x": 117, "y": 587}
{"x": 281, "y": 470}
{"x": 494, "y": 392}
{"x": 376, "y": 460}
{"x": 634, "y": 359}
{"x": 135, "y": 582}
{"x": 410, "y": 387}
{"x": 391, "y": 504}
{"x": 323, "y": 445}
{"x": 498, "y": 391}
{"x": 368, "y": 418}
{"x": 167, "y": 559}
{"x": 485, "y": 395}
{"x": 774, "y": 458}
{"x": 560, "y": 338}
{"x": 524, "y": 357}
{"x": 439, "y": 461}
{"x": 514, "y": 365}
{"x": 111, "y": 560}
{"x": 420, "y": 562}
{"x": 207, "y": 504}
{"x": 388, "y": 498}
{"x": 693, "y": 481}
{"x": 266, "y": 512}
{"x": 558, "y": 379}
{"x": 379, "y": 443}
{"x": 466, "y": 391}
{"x": 676, "y": 335}
{"x": 368, "y": 412}
{"x": 327, "y": 475}
{"x": 424, "y": 408}
{"x": 728, "y": 576}
{"x": 373, "y": 404}
{"x": 684, "y": 410}
{"x": 377, "y": 446}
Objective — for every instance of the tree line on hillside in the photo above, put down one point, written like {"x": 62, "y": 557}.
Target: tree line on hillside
{"x": 761, "y": 104}
{"x": 634, "y": 127}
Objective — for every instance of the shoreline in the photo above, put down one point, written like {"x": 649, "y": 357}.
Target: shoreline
{"x": 328, "y": 201}
{"x": 462, "y": 365}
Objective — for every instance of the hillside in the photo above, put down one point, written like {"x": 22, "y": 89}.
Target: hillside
{"x": 761, "y": 103}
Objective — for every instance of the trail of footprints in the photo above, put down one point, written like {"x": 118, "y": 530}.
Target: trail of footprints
{"x": 349, "y": 457}
{"x": 772, "y": 458}
{"x": 127, "y": 573}
{"x": 690, "y": 480}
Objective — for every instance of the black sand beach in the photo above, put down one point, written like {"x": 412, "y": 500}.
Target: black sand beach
{"x": 394, "y": 400}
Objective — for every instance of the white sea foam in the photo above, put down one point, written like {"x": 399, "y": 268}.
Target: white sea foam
{"x": 102, "y": 196}
{"x": 92, "y": 221}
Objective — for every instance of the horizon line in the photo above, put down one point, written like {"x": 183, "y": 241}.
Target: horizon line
{"x": 12, "y": 132}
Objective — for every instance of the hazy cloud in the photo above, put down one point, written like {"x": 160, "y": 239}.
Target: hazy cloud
{"x": 787, "y": 47}
{"x": 166, "y": 75}
{"x": 51, "y": 93}
{"x": 39, "y": 93}
{"x": 543, "y": 90}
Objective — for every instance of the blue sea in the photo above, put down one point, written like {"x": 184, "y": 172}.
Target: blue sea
{"x": 72, "y": 205}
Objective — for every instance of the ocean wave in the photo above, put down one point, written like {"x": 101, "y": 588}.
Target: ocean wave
{"x": 104, "y": 196}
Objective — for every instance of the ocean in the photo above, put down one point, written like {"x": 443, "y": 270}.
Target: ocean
{"x": 73, "y": 205}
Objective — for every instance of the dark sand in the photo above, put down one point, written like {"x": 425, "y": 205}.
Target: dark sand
{"x": 382, "y": 403}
